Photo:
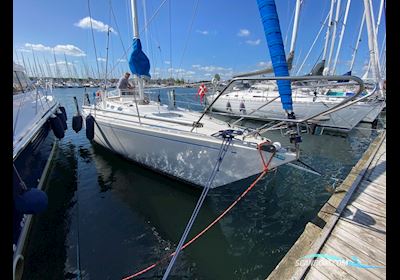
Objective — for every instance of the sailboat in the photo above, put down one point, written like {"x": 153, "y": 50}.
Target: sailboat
{"x": 37, "y": 119}
{"x": 260, "y": 100}
{"x": 173, "y": 141}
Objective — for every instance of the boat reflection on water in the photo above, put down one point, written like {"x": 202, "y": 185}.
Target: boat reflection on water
{"x": 166, "y": 205}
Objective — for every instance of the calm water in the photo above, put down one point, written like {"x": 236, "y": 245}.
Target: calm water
{"x": 118, "y": 218}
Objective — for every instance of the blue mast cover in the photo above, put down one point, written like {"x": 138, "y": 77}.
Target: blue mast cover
{"x": 270, "y": 20}
{"x": 139, "y": 64}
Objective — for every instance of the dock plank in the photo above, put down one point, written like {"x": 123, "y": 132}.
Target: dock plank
{"x": 315, "y": 274}
{"x": 364, "y": 220}
{"x": 372, "y": 248}
{"x": 365, "y": 207}
{"x": 330, "y": 271}
{"x": 356, "y": 227}
{"x": 366, "y": 196}
{"x": 376, "y": 191}
{"x": 369, "y": 218}
{"x": 340, "y": 249}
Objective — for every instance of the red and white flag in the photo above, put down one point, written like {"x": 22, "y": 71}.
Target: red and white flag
{"x": 202, "y": 91}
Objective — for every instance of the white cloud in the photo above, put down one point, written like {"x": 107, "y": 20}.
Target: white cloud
{"x": 61, "y": 63}
{"x": 204, "y": 32}
{"x": 59, "y": 49}
{"x": 97, "y": 25}
{"x": 101, "y": 59}
{"x": 37, "y": 47}
{"x": 253, "y": 42}
{"x": 264, "y": 64}
{"x": 121, "y": 60}
{"x": 196, "y": 65}
{"x": 69, "y": 50}
{"x": 243, "y": 33}
{"x": 214, "y": 69}
{"x": 24, "y": 50}
{"x": 167, "y": 62}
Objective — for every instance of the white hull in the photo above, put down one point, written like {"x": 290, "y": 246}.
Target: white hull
{"x": 30, "y": 112}
{"x": 344, "y": 119}
{"x": 174, "y": 151}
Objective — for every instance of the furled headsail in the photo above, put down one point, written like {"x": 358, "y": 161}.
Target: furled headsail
{"x": 270, "y": 20}
{"x": 139, "y": 64}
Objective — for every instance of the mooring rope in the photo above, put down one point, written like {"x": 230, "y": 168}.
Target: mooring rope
{"x": 262, "y": 174}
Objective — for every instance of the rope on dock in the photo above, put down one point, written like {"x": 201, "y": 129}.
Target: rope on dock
{"x": 262, "y": 174}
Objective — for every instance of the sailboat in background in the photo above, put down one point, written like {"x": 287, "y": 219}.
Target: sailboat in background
{"x": 260, "y": 100}
{"x": 176, "y": 142}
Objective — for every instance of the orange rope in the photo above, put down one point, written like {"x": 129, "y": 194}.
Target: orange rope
{"x": 262, "y": 174}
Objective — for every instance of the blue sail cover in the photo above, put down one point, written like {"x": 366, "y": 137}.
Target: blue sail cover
{"x": 270, "y": 20}
{"x": 348, "y": 73}
{"x": 138, "y": 61}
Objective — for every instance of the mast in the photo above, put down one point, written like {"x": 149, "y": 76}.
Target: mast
{"x": 34, "y": 64}
{"x": 341, "y": 37}
{"x": 136, "y": 36}
{"x": 33, "y": 73}
{"x": 26, "y": 66}
{"x": 376, "y": 32}
{"x": 328, "y": 64}
{"x": 56, "y": 65}
{"x": 295, "y": 25}
{"x": 371, "y": 45}
{"x": 42, "y": 72}
{"x": 328, "y": 30}
{"x": 383, "y": 47}
{"x": 50, "y": 73}
{"x": 66, "y": 65}
{"x": 358, "y": 42}
{"x": 16, "y": 55}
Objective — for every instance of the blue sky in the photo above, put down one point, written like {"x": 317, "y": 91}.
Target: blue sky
{"x": 225, "y": 37}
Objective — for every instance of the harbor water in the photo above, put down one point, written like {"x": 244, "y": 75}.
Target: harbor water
{"x": 109, "y": 218}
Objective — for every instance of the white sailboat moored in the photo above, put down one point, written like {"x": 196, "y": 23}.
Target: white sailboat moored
{"x": 174, "y": 141}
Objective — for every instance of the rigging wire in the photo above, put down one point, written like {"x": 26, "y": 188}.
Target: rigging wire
{"x": 290, "y": 23}
{"x": 222, "y": 152}
{"x": 117, "y": 28}
{"x": 229, "y": 208}
{"x": 312, "y": 46}
{"x": 195, "y": 9}
{"x": 94, "y": 42}
{"x": 150, "y": 20}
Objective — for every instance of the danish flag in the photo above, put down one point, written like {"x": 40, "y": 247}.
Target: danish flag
{"x": 202, "y": 91}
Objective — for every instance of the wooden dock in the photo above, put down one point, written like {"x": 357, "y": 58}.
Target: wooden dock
{"x": 350, "y": 226}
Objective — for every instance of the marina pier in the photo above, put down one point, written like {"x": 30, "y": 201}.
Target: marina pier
{"x": 349, "y": 232}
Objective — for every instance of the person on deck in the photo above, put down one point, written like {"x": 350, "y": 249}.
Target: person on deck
{"x": 123, "y": 82}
